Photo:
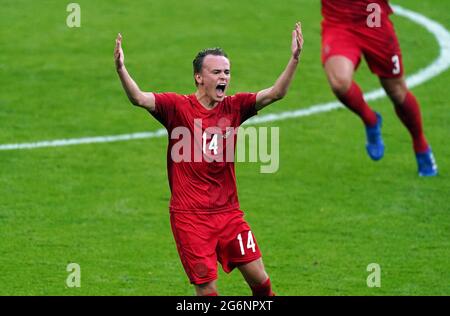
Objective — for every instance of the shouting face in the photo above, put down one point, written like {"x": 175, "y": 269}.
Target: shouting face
{"x": 214, "y": 77}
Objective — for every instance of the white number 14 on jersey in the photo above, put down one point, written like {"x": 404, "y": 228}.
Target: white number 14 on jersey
{"x": 212, "y": 144}
{"x": 250, "y": 243}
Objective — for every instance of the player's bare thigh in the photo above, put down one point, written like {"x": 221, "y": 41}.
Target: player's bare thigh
{"x": 206, "y": 288}
{"x": 339, "y": 70}
{"x": 254, "y": 272}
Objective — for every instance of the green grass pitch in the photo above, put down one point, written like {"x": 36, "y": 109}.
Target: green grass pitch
{"x": 320, "y": 220}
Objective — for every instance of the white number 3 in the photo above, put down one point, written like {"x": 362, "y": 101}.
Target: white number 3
{"x": 250, "y": 243}
{"x": 396, "y": 62}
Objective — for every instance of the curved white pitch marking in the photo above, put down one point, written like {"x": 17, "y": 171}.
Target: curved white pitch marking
{"x": 439, "y": 65}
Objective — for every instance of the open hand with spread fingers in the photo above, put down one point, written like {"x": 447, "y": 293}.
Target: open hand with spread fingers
{"x": 118, "y": 52}
{"x": 297, "y": 40}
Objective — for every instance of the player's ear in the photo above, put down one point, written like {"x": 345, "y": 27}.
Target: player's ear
{"x": 198, "y": 79}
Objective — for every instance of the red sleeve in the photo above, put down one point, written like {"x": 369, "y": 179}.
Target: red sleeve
{"x": 165, "y": 107}
{"x": 246, "y": 103}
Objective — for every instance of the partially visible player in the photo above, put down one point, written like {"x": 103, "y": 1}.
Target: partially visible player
{"x": 350, "y": 29}
{"x": 206, "y": 219}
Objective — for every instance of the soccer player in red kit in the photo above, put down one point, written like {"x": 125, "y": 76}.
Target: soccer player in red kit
{"x": 351, "y": 28}
{"x": 205, "y": 216}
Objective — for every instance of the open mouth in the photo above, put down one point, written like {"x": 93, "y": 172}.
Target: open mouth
{"x": 220, "y": 89}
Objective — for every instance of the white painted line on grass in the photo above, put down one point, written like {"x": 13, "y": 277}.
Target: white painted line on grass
{"x": 439, "y": 65}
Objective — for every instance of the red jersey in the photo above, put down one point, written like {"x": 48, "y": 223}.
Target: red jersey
{"x": 352, "y": 11}
{"x": 200, "y": 171}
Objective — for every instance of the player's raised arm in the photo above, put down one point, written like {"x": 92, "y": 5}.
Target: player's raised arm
{"x": 281, "y": 86}
{"x": 136, "y": 96}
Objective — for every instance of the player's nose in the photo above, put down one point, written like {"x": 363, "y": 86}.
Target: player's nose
{"x": 223, "y": 76}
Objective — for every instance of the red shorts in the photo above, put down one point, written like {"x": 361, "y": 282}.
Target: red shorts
{"x": 379, "y": 45}
{"x": 203, "y": 239}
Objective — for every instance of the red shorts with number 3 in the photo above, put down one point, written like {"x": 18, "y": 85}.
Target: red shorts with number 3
{"x": 379, "y": 45}
{"x": 204, "y": 238}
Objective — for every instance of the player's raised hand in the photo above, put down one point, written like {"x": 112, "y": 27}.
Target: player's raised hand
{"x": 297, "y": 40}
{"x": 118, "y": 52}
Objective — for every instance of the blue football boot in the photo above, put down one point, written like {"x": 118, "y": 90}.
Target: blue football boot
{"x": 426, "y": 164}
{"x": 375, "y": 145}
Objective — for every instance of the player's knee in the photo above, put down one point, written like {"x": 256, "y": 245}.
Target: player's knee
{"x": 340, "y": 83}
{"x": 397, "y": 95}
{"x": 257, "y": 277}
{"x": 206, "y": 289}
{"x": 254, "y": 272}
{"x": 396, "y": 89}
